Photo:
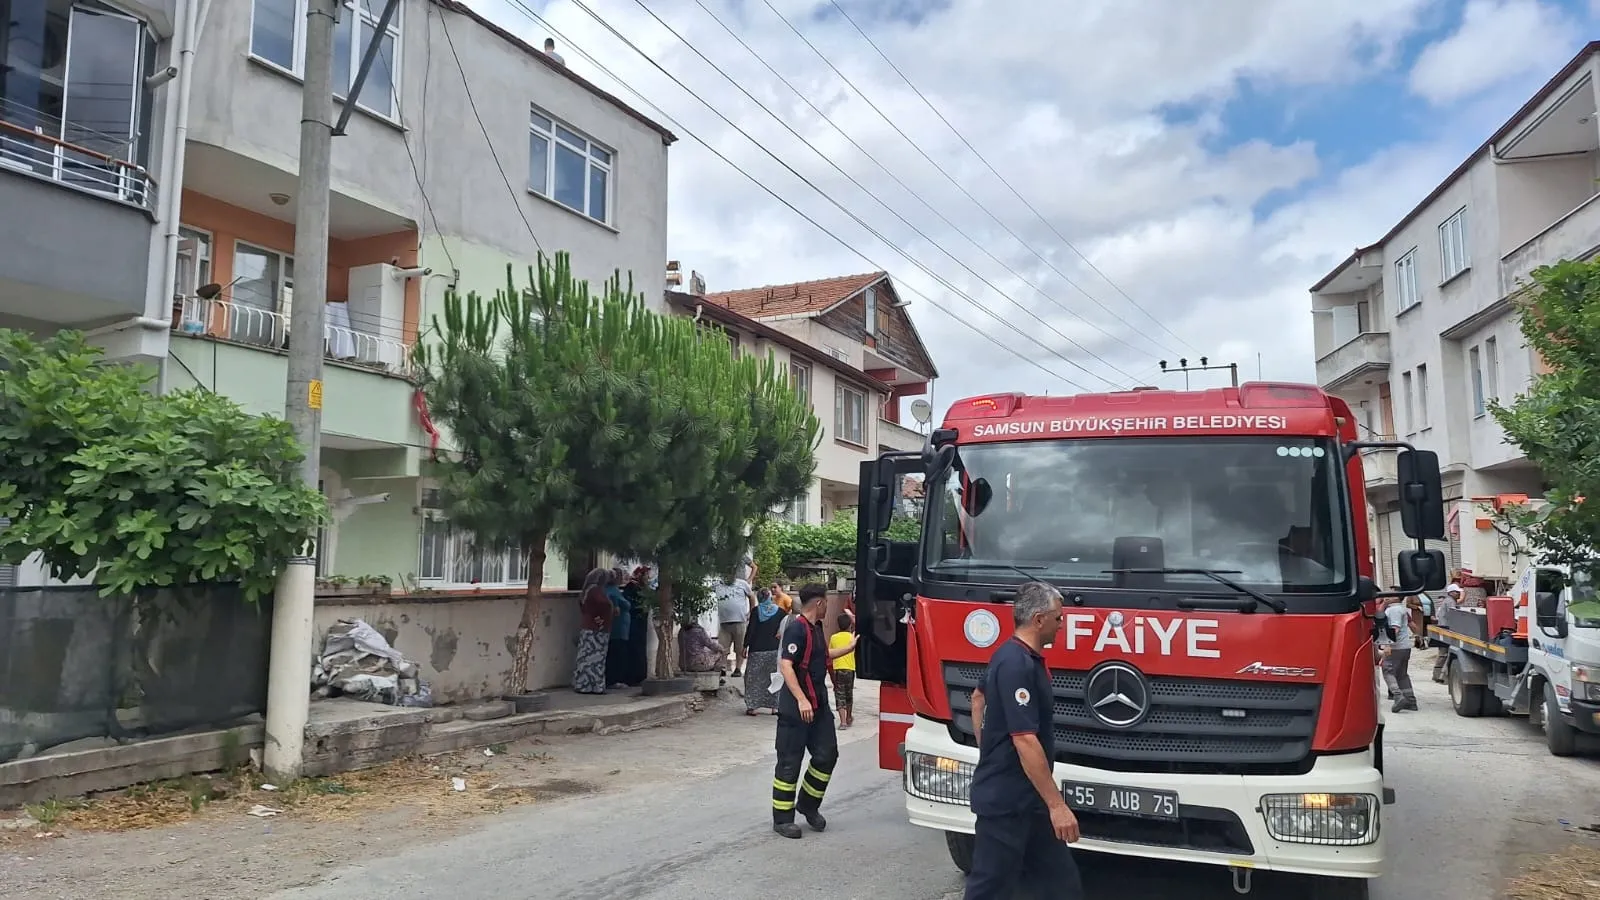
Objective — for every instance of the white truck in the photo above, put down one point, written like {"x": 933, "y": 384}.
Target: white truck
{"x": 1535, "y": 654}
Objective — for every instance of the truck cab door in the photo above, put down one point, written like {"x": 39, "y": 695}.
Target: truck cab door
{"x": 884, "y": 567}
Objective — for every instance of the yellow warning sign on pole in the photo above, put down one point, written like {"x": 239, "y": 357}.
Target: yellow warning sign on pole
{"x": 314, "y": 395}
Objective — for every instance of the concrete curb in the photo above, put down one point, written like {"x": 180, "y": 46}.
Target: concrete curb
{"x": 646, "y": 712}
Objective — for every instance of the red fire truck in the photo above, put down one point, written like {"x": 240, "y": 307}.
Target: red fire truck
{"x": 1216, "y": 698}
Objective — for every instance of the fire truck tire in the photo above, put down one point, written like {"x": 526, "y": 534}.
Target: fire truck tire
{"x": 1338, "y": 889}
{"x": 960, "y": 850}
{"x": 1468, "y": 700}
{"x": 1559, "y": 735}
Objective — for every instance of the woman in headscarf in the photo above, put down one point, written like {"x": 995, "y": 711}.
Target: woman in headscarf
{"x": 761, "y": 639}
{"x": 699, "y": 651}
{"x": 621, "y": 629}
{"x": 596, "y": 615}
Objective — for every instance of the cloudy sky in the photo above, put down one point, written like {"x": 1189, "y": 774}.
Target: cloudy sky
{"x": 1179, "y": 172}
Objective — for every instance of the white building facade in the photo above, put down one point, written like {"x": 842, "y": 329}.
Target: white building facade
{"x": 1419, "y": 330}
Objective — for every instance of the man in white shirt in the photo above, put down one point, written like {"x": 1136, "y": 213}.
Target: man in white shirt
{"x": 1398, "y": 634}
{"x": 1450, "y": 600}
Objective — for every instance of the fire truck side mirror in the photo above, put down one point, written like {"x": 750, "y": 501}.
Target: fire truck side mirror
{"x": 1421, "y": 570}
{"x": 1421, "y": 494}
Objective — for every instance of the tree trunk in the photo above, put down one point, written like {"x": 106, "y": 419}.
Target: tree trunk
{"x": 666, "y": 645}
{"x": 523, "y": 659}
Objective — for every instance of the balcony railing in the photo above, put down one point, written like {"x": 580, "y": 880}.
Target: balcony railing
{"x": 898, "y": 437}
{"x": 70, "y": 154}
{"x": 261, "y": 327}
{"x": 1575, "y": 235}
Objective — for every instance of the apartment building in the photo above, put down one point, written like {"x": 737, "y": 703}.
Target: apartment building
{"x": 1419, "y": 332}
{"x": 851, "y": 348}
{"x": 467, "y": 149}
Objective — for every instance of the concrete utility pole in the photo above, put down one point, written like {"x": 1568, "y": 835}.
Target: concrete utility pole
{"x": 1184, "y": 367}
{"x": 289, "y": 676}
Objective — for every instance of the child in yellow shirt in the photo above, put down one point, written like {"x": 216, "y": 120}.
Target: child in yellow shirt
{"x": 844, "y": 671}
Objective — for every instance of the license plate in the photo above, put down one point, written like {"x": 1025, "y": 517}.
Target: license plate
{"x": 1121, "y": 801}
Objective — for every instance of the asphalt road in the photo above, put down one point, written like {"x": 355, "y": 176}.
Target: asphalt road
{"x": 1474, "y": 795}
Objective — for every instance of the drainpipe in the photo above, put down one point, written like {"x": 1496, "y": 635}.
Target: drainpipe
{"x": 191, "y": 19}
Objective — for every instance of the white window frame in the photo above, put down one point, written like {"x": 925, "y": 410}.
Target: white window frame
{"x": 842, "y": 392}
{"x": 872, "y": 310}
{"x": 507, "y": 563}
{"x": 597, "y": 157}
{"x": 1453, "y": 256}
{"x": 1407, "y": 388}
{"x": 201, "y": 262}
{"x": 1475, "y": 372}
{"x": 1407, "y": 291}
{"x": 363, "y": 14}
{"x": 800, "y": 377}
{"x": 1491, "y": 366}
{"x": 1422, "y": 395}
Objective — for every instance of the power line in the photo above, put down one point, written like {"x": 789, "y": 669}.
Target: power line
{"x": 981, "y": 158}
{"x": 897, "y": 180}
{"x": 678, "y": 127}
{"x": 825, "y": 195}
{"x": 516, "y": 201}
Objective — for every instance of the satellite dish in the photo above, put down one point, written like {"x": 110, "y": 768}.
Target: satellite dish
{"x": 922, "y": 411}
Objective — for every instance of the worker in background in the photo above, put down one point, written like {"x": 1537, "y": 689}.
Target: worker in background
{"x": 1401, "y": 622}
{"x": 1023, "y": 824}
{"x": 805, "y": 724}
{"x": 1450, "y": 600}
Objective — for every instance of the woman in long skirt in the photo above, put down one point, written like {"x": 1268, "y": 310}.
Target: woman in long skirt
{"x": 761, "y": 638}
{"x": 594, "y": 635}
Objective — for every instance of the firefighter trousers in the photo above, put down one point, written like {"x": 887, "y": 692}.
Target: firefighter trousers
{"x": 1021, "y": 850}
{"x": 793, "y": 790}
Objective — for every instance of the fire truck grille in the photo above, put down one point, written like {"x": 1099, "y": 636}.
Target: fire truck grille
{"x": 1196, "y": 725}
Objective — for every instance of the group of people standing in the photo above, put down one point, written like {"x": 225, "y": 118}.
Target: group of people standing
{"x": 611, "y": 631}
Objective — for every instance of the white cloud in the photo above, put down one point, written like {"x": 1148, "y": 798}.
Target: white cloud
{"x": 1497, "y": 40}
{"x": 1069, "y": 107}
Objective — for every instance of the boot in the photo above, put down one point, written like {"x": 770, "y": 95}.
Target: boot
{"x": 815, "y": 820}
{"x": 787, "y": 829}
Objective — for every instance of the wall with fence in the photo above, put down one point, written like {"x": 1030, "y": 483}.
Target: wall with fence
{"x": 76, "y": 665}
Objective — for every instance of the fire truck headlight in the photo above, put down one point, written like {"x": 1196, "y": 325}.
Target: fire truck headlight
{"x": 938, "y": 778}
{"x": 1329, "y": 819}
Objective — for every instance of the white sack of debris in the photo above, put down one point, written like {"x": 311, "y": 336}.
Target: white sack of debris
{"x": 357, "y": 662}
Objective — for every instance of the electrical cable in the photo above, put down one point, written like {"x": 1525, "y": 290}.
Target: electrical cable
{"x": 982, "y": 159}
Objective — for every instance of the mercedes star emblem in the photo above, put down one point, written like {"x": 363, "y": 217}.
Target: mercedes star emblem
{"x": 1117, "y": 694}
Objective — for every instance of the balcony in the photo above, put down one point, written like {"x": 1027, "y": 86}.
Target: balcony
{"x": 893, "y": 436}
{"x": 68, "y": 193}
{"x": 240, "y": 351}
{"x": 1378, "y": 466}
{"x": 1575, "y": 235}
{"x": 1364, "y": 357}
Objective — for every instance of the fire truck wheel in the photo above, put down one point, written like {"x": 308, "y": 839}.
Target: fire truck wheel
{"x": 1559, "y": 735}
{"x": 960, "y": 850}
{"x": 1338, "y": 889}
{"x": 1467, "y": 699}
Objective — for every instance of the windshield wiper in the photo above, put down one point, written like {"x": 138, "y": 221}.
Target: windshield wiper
{"x": 1020, "y": 570}
{"x": 1216, "y": 575}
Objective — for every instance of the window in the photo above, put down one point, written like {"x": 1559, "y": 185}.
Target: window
{"x": 277, "y": 37}
{"x": 800, "y": 378}
{"x": 261, "y": 296}
{"x": 872, "y": 310}
{"x": 850, "y": 415}
{"x": 1475, "y": 366}
{"x": 1491, "y": 367}
{"x": 194, "y": 261}
{"x": 796, "y": 511}
{"x": 1410, "y": 410}
{"x": 450, "y": 555}
{"x": 1453, "y": 246}
{"x": 568, "y": 168}
{"x": 1422, "y": 396}
{"x": 73, "y": 75}
{"x": 1405, "y": 281}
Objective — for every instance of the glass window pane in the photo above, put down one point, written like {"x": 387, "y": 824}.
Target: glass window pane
{"x": 344, "y": 56}
{"x": 272, "y": 31}
{"x": 597, "y": 193}
{"x": 600, "y": 154}
{"x": 571, "y": 170}
{"x": 540, "y": 122}
{"x": 378, "y": 92}
{"x": 571, "y": 137}
{"x": 539, "y": 164}
{"x": 102, "y": 84}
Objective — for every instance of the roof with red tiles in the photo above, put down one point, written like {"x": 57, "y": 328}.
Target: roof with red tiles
{"x": 805, "y": 298}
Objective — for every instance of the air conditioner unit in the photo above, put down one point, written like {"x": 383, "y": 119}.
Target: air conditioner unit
{"x": 377, "y": 309}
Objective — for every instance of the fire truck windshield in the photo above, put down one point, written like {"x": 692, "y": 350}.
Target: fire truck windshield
{"x": 1267, "y": 512}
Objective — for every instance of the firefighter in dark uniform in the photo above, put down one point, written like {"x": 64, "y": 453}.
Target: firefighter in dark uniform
{"x": 805, "y": 723}
{"x": 1023, "y": 823}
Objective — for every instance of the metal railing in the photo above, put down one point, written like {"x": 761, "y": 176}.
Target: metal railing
{"x": 261, "y": 327}
{"x": 72, "y": 154}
